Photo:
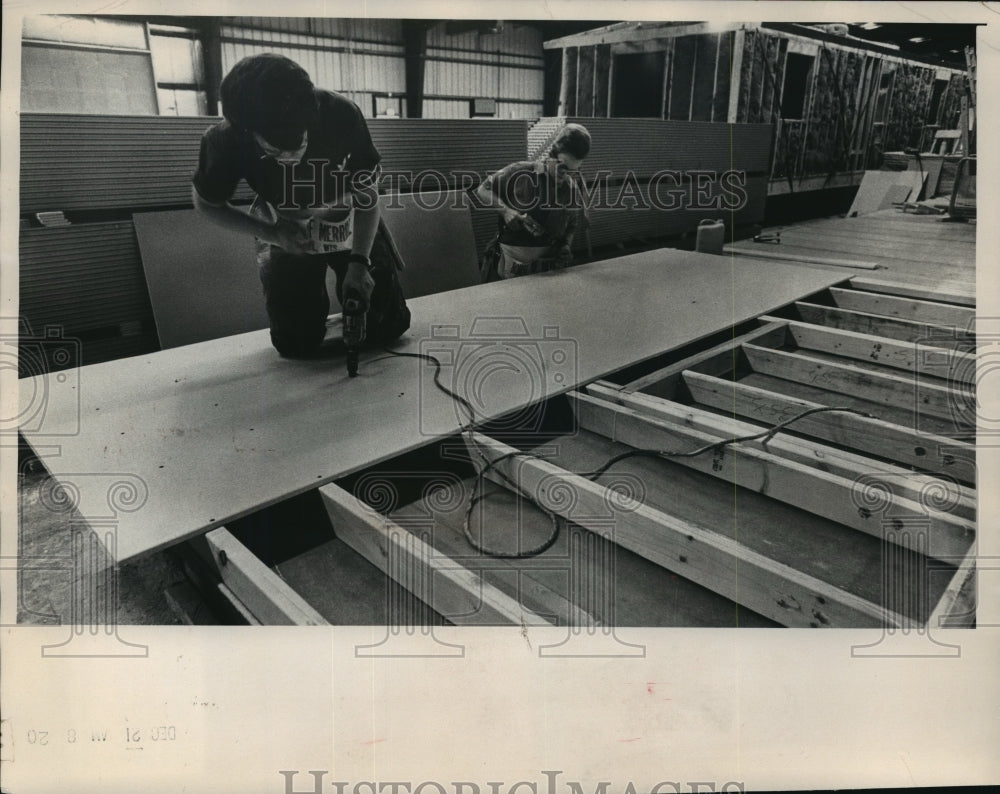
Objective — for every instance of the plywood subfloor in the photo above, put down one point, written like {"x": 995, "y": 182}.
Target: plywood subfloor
{"x": 208, "y": 432}
{"x": 921, "y": 250}
{"x": 879, "y": 189}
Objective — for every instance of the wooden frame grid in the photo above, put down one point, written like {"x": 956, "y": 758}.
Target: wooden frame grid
{"x": 905, "y": 494}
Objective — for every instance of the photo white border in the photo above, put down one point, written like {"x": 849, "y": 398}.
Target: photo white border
{"x": 767, "y": 709}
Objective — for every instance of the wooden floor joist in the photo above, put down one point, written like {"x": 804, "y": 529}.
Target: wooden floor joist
{"x": 880, "y": 325}
{"x": 713, "y": 561}
{"x": 876, "y": 437}
{"x": 258, "y": 588}
{"x": 919, "y": 311}
{"x": 909, "y": 485}
{"x": 923, "y": 396}
{"x": 862, "y": 505}
{"x": 716, "y": 360}
{"x": 926, "y": 360}
{"x": 953, "y": 294}
{"x": 458, "y": 594}
{"x": 957, "y": 606}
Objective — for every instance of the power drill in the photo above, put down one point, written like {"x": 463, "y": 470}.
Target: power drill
{"x": 354, "y": 328}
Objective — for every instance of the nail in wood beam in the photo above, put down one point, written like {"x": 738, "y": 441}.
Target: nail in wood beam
{"x": 257, "y": 587}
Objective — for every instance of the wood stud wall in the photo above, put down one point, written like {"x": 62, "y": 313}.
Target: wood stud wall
{"x": 739, "y": 76}
{"x": 695, "y": 83}
{"x": 838, "y": 130}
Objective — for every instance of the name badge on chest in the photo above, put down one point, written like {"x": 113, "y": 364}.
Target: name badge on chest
{"x": 330, "y": 236}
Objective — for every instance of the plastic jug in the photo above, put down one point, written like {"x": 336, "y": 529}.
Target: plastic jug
{"x": 711, "y": 235}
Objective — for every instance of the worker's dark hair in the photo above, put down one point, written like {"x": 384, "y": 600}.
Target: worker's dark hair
{"x": 574, "y": 139}
{"x": 271, "y": 95}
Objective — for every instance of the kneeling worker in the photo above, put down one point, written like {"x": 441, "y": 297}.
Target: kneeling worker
{"x": 309, "y": 157}
{"x": 539, "y": 205}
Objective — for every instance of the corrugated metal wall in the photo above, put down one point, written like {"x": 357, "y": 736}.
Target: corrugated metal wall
{"x": 464, "y": 78}
{"x": 645, "y": 146}
{"x": 479, "y": 145}
{"x": 507, "y": 67}
{"x": 365, "y": 57}
{"x": 373, "y": 30}
{"x": 88, "y": 281}
{"x": 459, "y": 109}
{"x": 72, "y": 162}
{"x": 358, "y": 57}
{"x": 75, "y": 162}
{"x": 513, "y": 40}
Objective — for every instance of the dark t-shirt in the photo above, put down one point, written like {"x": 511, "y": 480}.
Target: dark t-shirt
{"x": 339, "y": 150}
{"x": 548, "y": 197}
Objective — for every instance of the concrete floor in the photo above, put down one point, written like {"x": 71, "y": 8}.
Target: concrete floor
{"x": 64, "y": 574}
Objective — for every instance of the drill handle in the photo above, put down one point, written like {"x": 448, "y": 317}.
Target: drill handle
{"x": 353, "y": 318}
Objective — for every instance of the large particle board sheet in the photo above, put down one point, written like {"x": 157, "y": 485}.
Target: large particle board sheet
{"x": 202, "y": 278}
{"x": 433, "y": 234}
{"x": 879, "y": 189}
{"x": 644, "y": 147}
{"x": 204, "y": 433}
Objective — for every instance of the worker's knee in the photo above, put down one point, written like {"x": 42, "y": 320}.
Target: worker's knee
{"x": 296, "y": 345}
{"x": 390, "y": 326}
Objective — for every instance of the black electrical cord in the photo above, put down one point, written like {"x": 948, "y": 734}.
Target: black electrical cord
{"x": 558, "y": 521}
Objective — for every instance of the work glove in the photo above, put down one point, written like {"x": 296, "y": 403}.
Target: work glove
{"x": 359, "y": 281}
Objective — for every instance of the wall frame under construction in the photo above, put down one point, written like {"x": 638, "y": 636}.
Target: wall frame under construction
{"x": 837, "y": 103}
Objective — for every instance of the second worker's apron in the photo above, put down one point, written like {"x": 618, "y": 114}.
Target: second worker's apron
{"x": 522, "y": 260}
